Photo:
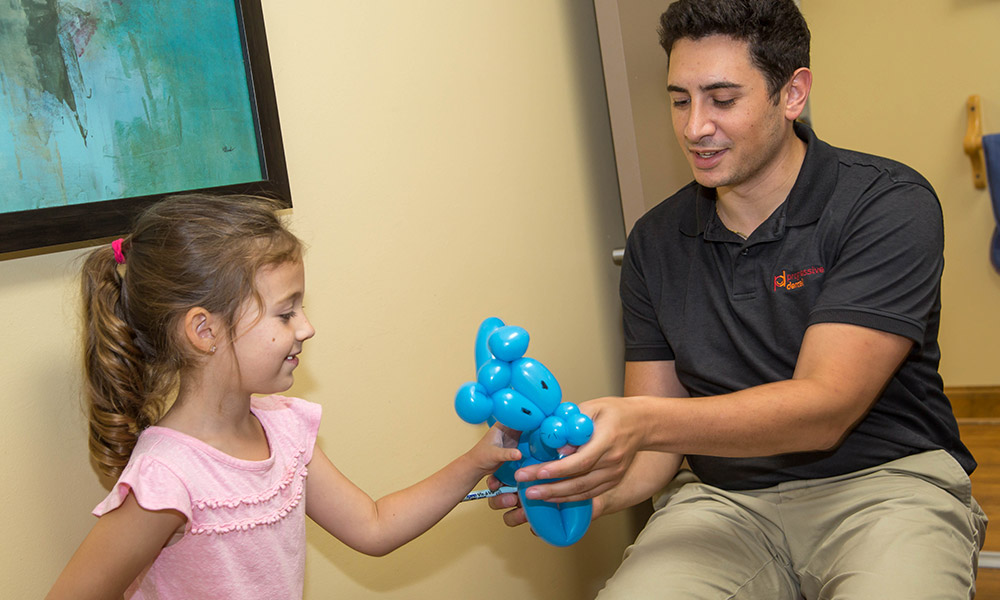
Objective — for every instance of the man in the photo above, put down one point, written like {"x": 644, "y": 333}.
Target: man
{"x": 781, "y": 317}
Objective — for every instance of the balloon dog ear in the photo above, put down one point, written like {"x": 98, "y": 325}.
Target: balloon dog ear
{"x": 473, "y": 404}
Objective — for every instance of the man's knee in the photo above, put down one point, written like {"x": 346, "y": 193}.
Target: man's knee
{"x": 700, "y": 546}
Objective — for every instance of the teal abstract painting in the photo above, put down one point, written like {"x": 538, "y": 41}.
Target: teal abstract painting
{"x": 110, "y": 99}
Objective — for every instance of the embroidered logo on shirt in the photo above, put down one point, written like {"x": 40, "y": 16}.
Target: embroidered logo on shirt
{"x": 791, "y": 281}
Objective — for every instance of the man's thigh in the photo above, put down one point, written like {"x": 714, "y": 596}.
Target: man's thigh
{"x": 703, "y": 545}
{"x": 892, "y": 534}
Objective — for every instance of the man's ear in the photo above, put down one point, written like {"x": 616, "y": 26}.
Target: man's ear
{"x": 200, "y": 328}
{"x": 797, "y": 93}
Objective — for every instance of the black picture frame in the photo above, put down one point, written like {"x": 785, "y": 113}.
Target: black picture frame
{"x": 102, "y": 218}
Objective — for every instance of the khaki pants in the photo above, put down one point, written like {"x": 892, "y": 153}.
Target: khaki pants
{"x": 905, "y": 530}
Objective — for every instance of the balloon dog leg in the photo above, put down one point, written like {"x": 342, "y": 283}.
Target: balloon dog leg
{"x": 561, "y": 524}
{"x": 558, "y": 524}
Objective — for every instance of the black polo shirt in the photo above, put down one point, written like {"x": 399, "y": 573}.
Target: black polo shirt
{"x": 859, "y": 240}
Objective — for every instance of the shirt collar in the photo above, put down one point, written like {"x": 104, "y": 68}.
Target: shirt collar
{"x": 805, "y": 203}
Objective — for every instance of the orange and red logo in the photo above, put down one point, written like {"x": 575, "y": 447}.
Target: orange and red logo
{"x": 791, "y": 281}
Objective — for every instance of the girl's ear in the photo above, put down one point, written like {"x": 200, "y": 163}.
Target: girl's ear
{"x": 200, "y": 329}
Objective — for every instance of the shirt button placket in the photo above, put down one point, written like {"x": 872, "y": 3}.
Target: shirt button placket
{"x": 743, "y": 275}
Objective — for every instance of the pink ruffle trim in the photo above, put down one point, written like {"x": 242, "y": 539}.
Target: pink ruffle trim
{"x": 294, "y": 478}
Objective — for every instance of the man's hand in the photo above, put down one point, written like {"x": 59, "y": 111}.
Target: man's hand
{"x": 598, "y": 465}
{"x": 515, "y": 515}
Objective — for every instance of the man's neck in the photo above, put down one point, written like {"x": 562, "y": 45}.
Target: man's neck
{"x": 746, "y": 206}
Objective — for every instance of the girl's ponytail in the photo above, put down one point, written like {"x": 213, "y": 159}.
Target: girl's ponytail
{"x": 113, "y": 365}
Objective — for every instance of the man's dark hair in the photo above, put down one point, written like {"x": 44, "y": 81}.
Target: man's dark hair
{"x": 774, "y": 30}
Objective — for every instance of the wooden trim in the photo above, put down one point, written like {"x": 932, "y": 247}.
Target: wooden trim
{"x": 975, "y": 402}
{"x": 623, "y": 129}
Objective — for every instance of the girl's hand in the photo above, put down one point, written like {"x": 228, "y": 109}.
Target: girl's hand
{"x": 510, "y": 502}
{"x": 498, "y": 446}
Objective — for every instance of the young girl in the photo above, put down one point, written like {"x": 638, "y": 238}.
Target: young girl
{"x": 202, "y": 303}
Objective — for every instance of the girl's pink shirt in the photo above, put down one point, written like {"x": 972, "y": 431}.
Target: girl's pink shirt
{"x": 245, "y": 532}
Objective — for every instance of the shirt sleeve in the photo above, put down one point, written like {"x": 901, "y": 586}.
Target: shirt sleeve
{"x": 887, "y": 264}
{"x": 644, "y": 339}
{"x": 309, "y": 415}
{"x": 295, "y": 419}
{"x": 154, "y": 485}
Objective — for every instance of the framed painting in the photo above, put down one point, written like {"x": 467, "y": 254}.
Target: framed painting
{"x": 108, "y": 106}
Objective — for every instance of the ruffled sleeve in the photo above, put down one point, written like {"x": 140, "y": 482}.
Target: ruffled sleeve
{"x": 310, "y": 414}
{"x": 298, "y": 419}
{"x": 154, "y": 485}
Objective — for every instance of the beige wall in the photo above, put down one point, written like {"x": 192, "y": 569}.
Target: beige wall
{"x": 650, "y": 163}
{"x": 417, "y": 134}
{"x": 892, "y": 78}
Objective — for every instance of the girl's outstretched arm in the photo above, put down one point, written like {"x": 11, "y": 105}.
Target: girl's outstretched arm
{"x": 378, "y": 528}
{"x": 122, "y": 543}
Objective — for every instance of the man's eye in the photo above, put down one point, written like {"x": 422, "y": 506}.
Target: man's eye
{"x": 680, "y": 103}
{"x": 725, "y": 103}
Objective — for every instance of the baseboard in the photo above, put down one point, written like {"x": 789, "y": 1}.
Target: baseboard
{"x": 975, "y": 402}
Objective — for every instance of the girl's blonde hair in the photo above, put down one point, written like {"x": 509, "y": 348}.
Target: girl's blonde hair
{"x": 186, "y": 251}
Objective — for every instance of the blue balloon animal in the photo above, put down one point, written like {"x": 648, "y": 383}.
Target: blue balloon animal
{"x": 523, "y": 394}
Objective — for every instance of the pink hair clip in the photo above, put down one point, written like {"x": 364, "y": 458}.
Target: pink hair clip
{"x": 117, "y": 247}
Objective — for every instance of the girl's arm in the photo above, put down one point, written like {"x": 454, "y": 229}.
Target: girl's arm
{"x": 121, "y": 544}
{"x": 378, "y": 528}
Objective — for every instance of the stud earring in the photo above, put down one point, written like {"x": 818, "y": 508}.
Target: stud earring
{"x": 212, "y": 349}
